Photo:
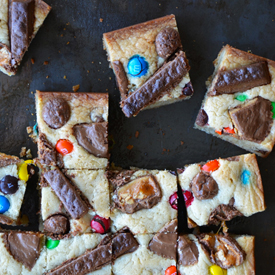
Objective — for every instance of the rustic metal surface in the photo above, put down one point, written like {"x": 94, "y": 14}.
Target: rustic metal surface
{"x": 71, "y": 40}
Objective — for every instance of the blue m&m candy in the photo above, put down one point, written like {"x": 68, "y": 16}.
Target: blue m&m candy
{"x": 4, "y": 204}
{"x": 137, "y": 66}
{"x": 245, "y": 176}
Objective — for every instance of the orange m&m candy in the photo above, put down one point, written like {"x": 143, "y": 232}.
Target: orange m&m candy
{"x": 171, "y": 270}
{"x": 64, "y": 147}
{"x": 211, "y": 166}
{"x": 229, "y": 130}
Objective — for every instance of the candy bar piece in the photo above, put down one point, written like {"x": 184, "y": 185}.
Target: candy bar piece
{"x": 22, "y": 253}
{"x": 82, "y": 254}
{"x": 141, "y": 199}
{"x": 73, "y": 129}
{"x": 19, "y": 22}
{"x": 94, "y": 189}
{"x": 67, "y": 193}
{"x": 241, "y": 79}
{"x": 142, "y": 260}
{"x": 169, "y": 75}
{"x": 13, "y": 177}
{"x": 238, "y": 105}
{"x": 222, "y": 189}
{"x": 150, "y": 67}
{"x": 216, "y": 254}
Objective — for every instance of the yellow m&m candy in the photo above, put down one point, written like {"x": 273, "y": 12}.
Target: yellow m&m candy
{"x": 23, "y": 170}
{"x": 216, "y": 270}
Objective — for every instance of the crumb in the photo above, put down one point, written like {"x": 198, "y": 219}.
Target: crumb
{"x": 68, "y": 43}
{"x": 130, "y": 147}
{"x": 32, "y": 60}
{"x": 265, "y": 240}
{"x": 101, "y": 20}
{"x": 62, "y": 35}
{"x": 181, "y": 142}
{"x": 23, "y": 152}
{"x": 88, "y": 71}
{"x": 46, "y": 62}
{"x": 76, "y": 88}
{"x": 163, "y": 150}
{"x": 106, "y": 90}
{"x": 29, "y": 154}
{"x": 168, "y": 150}
{"x": 110, "y": 78}
{"x": 29, "y": 129}
{"x": 47, "y": 76}
{"x": 65, "y": 77}
{"x": 137, "y": 134}
{"x": 249, "y": 51}
{"x": 68, "y": 23}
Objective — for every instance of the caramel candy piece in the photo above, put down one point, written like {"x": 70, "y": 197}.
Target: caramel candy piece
{"x": 222, "y": 250}
{"x": 187, "y": 251}
{"x": 241, "y": 79}
{"x": 253, "y": 119}
{"x": 143, "y": 192}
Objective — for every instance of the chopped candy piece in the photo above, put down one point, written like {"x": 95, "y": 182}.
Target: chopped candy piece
{"x": 64, "y": 147}
{"x": 137, "y": 66}
{"x": 100, "y": 225}
{"x": 51, "y": 244}
{"x": 4, "y": 204}
{"x": 211, "y": 166}
{"x": 241, "y": 97}
{"x": 216, "y": 270}
{"x": 172, "y": 270}
{"x": 173, "y": 200}
{"x": 188, "y": 198}
{"x": 245, "y": 176}
{"x": 229, "y": 130}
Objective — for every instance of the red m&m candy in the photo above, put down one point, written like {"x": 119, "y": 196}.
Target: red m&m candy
{"x": 171, "y": 270}
{"x": 188, "y": 198}
{"x": 100, "y": 225}
{"x": 173, "y": 200}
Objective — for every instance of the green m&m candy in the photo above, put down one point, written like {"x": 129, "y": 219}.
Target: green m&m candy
{"x": 273, "y": 109}
{"x": 241, "y": 97}
{"x": 51, "y": 244}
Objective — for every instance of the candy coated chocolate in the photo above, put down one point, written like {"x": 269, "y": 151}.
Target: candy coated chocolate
{"x": 137, "y": 66}
{"x": 4, "y": 204}
{"x": 51, "y": 244}
{"x": 9, "y": 185}
{"x": 100, "y": 224}
{"x": 245, "y": 176}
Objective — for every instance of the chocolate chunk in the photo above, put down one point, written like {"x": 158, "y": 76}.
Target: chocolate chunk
{"x": 90, "y": 261}
{"x": 93, "y": 138}
{"x": 141, "y": 193}
{"x": 6, "y": 160}
{"x": 188, "y": 89}
{"x": 67, "y": 193}
{"x": 123, "y": 242}
{"x": 224, "y": 212}
{"x": 24, "y": 247}
{"x": 121, "y": 78}
{"x": 161, "y": 82}
{"x": 56, "y": 112}
{"x": 46, "y": 152}
{"x": 164, "y": 245}
{"x": 253, "y": 119}
{"x": 223, "y": 251}
{"x": 57, "y": 224}
{"x": 188, "y": 253}
{"x": 119, "y": 178}
{"x": 202, "y": 118}
{"x": 21, "y": 23}
{"x": 241, "y": 79}
{"x": 170, "y": 227}
{"x": 204, "y": 187}
{"x": 167, "y": 42}
{"x": 9, "y": 185}
{"x": 5, "y": 220}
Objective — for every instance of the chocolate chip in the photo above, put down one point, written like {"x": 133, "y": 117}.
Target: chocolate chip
{"x": 204, "y": 187}
{"x": 9, "y": 185}
{"x": 202, "y": 118}
{"x": 56, "y": 112}
{"x": 167, "y": 42}
{"x": 57, "y": 224}
{"x": 188, "y": 89}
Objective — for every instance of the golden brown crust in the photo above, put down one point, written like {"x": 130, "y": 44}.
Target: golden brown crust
{"x": 43, "y": 7}
{"x": 8, "y": 160}
{"x": 139, "y": 29}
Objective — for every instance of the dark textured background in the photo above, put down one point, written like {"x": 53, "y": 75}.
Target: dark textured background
{"x": 71, "y": 40}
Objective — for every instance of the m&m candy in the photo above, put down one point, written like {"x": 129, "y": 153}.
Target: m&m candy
{"x": 188, "y": 198}
{"x": 4, "y": 204}
{"x": 245, "y": 177}
{"x": 64, "y": 147}
{"x": 137, "y": 66}
{"x": 100, "y": 224}
{"x": 211, "y": 166}
{"x": 173, "y": 200}
{"x": 216, "y": 270}
{"x": 51, "y": 244}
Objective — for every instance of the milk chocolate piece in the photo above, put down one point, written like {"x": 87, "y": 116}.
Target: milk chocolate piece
{"x": 5, "y": 220}
{"x": 121, "y": 78}
{"x": 57, "y": 224}
{"x": 167, "y": 42}
{"x": 188, "y": 253}
{"x": 6, "y": 160}
{"x": 123, "y": 242}
{"x": 46, "y": 152}
{"x": 223, "y": 251}
{"x": 118, "y": 179}
{"x": 67, "y": 193}
{"x": 141, "y": 193}
{"x": 204, "y": 187}
{"x": 24, "y": 247}
{"x": 90, "y": 261}
{"x": 170, "y": 227}
{"x": 93, "y": 138}
{"x": 202, "y": 118}
{"x": 224, "y": 212}
{"x": 21, "y": 23}
{"x": 241, "y": 79}
{"x": 253, "y": 119}
{"x": 161, "y": 82}
{"x": 56, "y": 112}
